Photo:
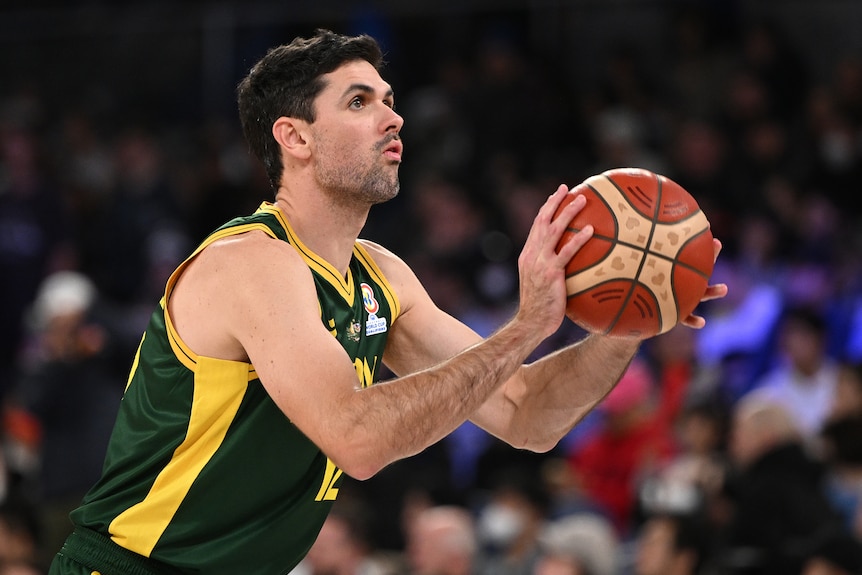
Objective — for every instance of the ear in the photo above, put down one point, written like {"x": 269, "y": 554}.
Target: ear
{"x": 290, "y": 135}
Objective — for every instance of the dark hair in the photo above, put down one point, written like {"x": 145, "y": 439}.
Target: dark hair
{"x": 807, "y": 318}
{"x": 286, "y": 81}
{"x": 691, "y": 533}
{"x": 842, "y": 436}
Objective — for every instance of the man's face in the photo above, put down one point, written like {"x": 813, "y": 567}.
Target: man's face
{"x": 333, "y": 549}
{"x": 355, "y": 141}
{"x": 655, "y": 548}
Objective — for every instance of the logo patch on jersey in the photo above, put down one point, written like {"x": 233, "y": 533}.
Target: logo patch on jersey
{"x": 374, "y": 324}
{"x": 371, "y": 305}
{"x": 354, "y": 330}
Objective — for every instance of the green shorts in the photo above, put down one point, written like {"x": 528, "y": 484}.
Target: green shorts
{"x": 89, "y": 553}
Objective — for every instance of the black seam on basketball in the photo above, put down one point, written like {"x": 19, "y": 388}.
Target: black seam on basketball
{"x": 610, "y": 209}
{"x": 639, "y": 300}
{"x": 642, "y": 263}
{"x": 640, "y": 196}
{"x": 691, "y": 268}
{"x": 632, "y": 285}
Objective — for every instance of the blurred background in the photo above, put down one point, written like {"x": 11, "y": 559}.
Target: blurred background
{"x": 732, "y": 450}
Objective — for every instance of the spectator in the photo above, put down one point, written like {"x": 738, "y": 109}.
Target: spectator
{"x": 805, "y": 377}
{"x": 634, "y": 439}
{"x": 578, "y": 544}
{"x": 777, "y": 493}
{"x": 20, "y": 568}
{"x": 847, "y": 399}
{"x": 673, "y": 544}
{"x": 34, "y": 236}
{"x": 442, "y": 541}
{"x": 343, "y": 546}
{"x": 691, "y": 481}
{"x": 20, "y": 531}
{"x": 842, "y": 439}
{"x": 510, "y": 521}
{"x": 65, "y": 388}
{"x": 834, "y": 554}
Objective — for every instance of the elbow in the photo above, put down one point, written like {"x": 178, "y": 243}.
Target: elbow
{"x": 357, "y": 462}
{"x": 536, "y": 443}
{"x": 360, "y": 471}
{"x": 543, "y": 446}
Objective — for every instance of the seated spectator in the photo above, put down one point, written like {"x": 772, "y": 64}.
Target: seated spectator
{"x": 510, "y": 520}
{"x": 842, "y": 452}
{"x": 776, "y": 493}
{"x": 20, "y": 532}
{"x": 805, "y": 378}
{"x": 847, "y": 399}
{"x": 442, "y": 541}
{"x": 834, "y": 554}
{"x": 672, "y": 544}
{"x": 692, "y": 480}
{"x": 578, "y": 544}
{"x": 63, "y": 402}
{"x": 343, "y": 546}
{"x": 634, "y": 439}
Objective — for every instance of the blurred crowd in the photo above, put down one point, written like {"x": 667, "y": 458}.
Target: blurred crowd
{"x": 728, "y": 451}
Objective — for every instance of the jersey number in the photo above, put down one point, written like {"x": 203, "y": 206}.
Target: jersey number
{"x": 328, "y": 491}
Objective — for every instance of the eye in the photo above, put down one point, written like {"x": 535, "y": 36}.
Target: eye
{"x": 389, "y": 102}
{"x": 357, "y": 103}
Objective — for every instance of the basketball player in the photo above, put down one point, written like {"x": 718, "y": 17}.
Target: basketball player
{"x": 251, "y": 393}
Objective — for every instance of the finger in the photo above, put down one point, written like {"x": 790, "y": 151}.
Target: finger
{"x": 694, "y": 321}
{"x": 716, "y": 248}
{"x": 712, "y": 292}
{"x": 715, "y": 291}
{"x": 570, "y": 210}
{"x": 575, "y": 243}
{"x": 553, "y": 202}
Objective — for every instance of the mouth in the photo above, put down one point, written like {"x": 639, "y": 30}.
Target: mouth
{"x": 393, "y": 150}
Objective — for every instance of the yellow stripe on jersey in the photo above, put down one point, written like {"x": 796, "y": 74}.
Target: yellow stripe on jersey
{"x": 135, "y": 362}
{"x": 369, "y": 264}
{"x": 345, "y": 286}
{"x": 218, "y": 392}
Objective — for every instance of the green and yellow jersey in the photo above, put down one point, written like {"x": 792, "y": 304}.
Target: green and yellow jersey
{"x": 203, "y": 471}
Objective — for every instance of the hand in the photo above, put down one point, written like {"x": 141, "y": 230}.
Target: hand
{"x": 541, "y": 269}
{"x": 712, "y": 292}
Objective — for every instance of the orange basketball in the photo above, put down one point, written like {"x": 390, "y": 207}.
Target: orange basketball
{"x": 650, "y": 258}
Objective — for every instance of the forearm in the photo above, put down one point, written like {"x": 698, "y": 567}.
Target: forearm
{"x": 398, "y": 418}
{"x": 561, "y": 388}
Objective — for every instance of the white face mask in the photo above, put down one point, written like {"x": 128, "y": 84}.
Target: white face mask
{"x": 499, "y": 525}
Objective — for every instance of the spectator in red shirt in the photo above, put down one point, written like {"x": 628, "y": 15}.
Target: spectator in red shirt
{"x": 635, "y": 437}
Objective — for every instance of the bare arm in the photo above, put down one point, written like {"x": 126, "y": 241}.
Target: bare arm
{"x": 253, "y": 297}
{"x": 554, "y": 393}
{"x": 542, "y": 401}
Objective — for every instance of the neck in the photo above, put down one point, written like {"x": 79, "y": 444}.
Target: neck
{"x": 326, "y": 228}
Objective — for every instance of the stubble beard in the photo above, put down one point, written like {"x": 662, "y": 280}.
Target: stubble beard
{"x": 352, "y": 183}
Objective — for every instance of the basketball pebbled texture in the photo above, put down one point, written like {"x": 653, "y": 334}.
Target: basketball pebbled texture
{"x": 649, "y": 261}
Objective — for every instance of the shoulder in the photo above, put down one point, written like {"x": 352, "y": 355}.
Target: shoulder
{"x": 397, "y": 272}
{"x": 381, "y": 255}
{"x": 234, "y": 286}
{"x": 393, "y": 267}
{"x": 249, "y": 249}
{"x": 251, "y": 263}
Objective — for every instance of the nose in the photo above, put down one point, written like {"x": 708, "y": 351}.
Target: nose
{"x": 393, "y": 121}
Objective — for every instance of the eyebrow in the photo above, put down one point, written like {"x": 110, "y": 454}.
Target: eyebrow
{"x": 366, "y": 89}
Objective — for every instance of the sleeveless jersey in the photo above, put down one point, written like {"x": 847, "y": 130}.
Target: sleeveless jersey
{"x": 203, "y": 471}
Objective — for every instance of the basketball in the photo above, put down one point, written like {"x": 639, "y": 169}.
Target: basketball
{"x": 649, "y": 261}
